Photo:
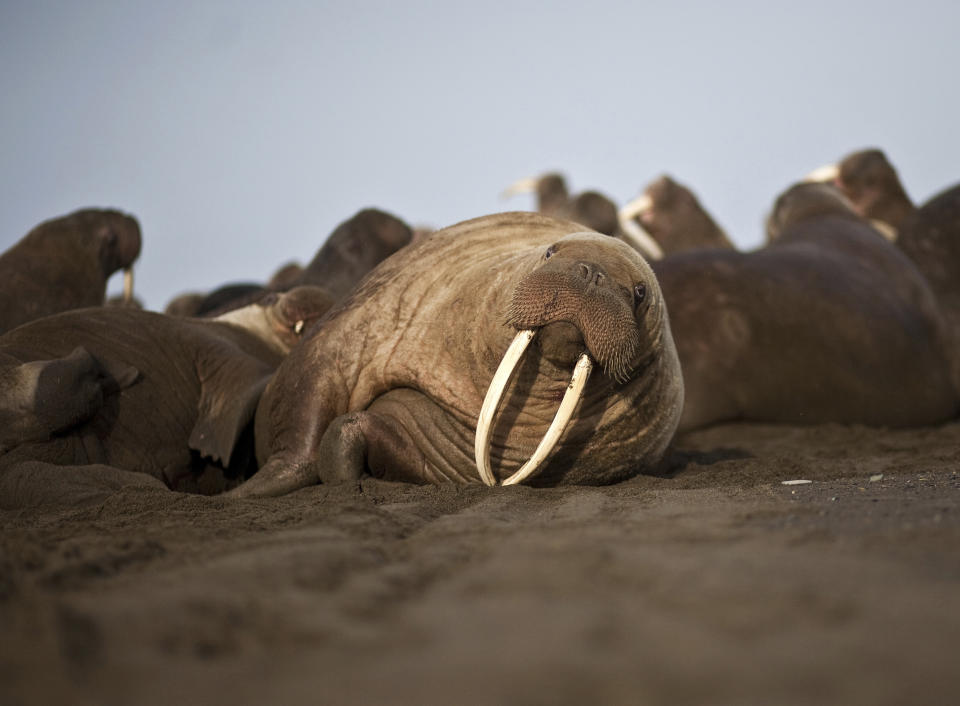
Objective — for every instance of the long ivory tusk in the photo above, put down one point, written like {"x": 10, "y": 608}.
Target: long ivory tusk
{"x": 521, "y": 186}
{"x": 481, "y": 447}
{"x": 128, "y": 285}
{"x": 633, "y": 233}
{"x": 634, "y": 208}
{"x": 824, "y": 174}
{"x": 569, "y": 403}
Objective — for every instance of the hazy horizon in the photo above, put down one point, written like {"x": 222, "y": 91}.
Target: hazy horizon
{"x": 240, "y": 134}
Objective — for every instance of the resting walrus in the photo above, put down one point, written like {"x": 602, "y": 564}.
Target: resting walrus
{"x": 142, "y": 391}
{"x": 831, "y": 323}
{"x": 394, "y": 380}
{"x": 64, "y": 264}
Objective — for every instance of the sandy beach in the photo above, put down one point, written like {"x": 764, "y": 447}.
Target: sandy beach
{"x": 714, "y": 583}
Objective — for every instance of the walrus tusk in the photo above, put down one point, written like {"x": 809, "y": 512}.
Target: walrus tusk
{"x": 633, "y": 233}
{"x": 127, "y": 285}
{"x": 825, "y": 174}
{"x": 567, "y": 405}
{"x": 492, "y": 400}
{"x": 521, "y": 186}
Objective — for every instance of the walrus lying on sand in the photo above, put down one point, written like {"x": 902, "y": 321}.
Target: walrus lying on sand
{"x": 142, "y": 391}
{"x": 830, "y": 323}
{"x": 394, "y": 381}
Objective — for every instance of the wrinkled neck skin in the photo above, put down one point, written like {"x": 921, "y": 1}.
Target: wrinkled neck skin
{"x": 434, "y": 319}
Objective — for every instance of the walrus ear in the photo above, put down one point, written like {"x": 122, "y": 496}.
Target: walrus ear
{"x": 225, "y": 408}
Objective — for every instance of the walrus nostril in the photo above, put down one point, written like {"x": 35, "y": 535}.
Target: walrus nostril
{"x": 584, "y": 270}
{"x": 598, "y": 279}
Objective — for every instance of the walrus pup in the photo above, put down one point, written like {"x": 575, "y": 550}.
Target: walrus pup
{"x": 64, "y": 264}
{"x": 831, "y": 323}
{"x": 394, "y": 381}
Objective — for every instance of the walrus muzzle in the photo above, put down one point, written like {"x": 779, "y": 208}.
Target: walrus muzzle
{"x": 492, "y": 400}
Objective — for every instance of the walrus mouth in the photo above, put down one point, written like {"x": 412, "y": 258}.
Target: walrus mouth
{"x": 492, "y": 400}
{"x": 127, "y": 285}
{"x": 634, "y": 234}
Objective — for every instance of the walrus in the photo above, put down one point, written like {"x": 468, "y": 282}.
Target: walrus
{"x": 393, "y": 381}
{"x": 145, "y": 392}
{"x": 830, "y": 323}
{"x": 670, "y": 213}
{"x": 353, "y": 248}
{"x": 929, "y": 234}
{"x": 64, "y": 263}
{"x": 589, "y": 208}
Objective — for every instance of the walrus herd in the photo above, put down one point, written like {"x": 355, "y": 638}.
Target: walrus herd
{"x": 561, "y": 347}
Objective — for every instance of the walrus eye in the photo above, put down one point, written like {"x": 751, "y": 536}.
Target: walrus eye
{"x": 639, "y": 294}
{"x": 552, "y": 249}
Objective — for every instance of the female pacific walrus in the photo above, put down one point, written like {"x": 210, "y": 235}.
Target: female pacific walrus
{"x": 64, "y": 264}
{"x": 830, "y": 323}
{"x": 393, "y": 382}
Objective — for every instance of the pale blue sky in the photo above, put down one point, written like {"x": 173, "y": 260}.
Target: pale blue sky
{"x": 241, "y": 133}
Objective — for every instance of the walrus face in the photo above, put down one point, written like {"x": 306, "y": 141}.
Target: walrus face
{"x": 580, "y": 303}
{"x": 118, "y": 241}
{"x": 588, "y": 304}
{"x": 293, "y": 312}
{"x": 871, "y": 184}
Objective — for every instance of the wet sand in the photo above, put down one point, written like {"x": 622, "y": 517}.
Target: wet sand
{"x": 712, "y": 584}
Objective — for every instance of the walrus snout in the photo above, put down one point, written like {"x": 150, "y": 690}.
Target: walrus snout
{"x": 591, "y": 274}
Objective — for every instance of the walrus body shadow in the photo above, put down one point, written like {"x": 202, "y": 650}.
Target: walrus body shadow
{"x": 64, "y": 263}
{"x": 830, "y": 323}
{"x": 392, "y": 382}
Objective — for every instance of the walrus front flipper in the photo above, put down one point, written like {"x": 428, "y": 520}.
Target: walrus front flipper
{"x": 228, "y": 400}
{"x": 45, "y": 397}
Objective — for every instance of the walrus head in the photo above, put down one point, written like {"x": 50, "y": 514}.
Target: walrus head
{"x": 118, "y": 241}
{"x": 867, "y": 178}
{"x": 587, "y": 305}
{"x": 281, "y": 319}
{"x": 804, "y": 201}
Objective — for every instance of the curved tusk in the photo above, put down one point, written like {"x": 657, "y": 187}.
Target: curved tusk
{"x": 885, "y": 229}
{"x": 632, "y": 231}
{"x": 824, "y": 174}
{"x": 567, "y": 406}
{"x": 481, "y": 446}
{"x": 634, "y": 208}
{"x": 521, "y": 186}
{"x": 128, "y": 285}
{"x": 298, "y": 327}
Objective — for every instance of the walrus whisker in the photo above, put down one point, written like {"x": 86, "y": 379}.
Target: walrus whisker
{"x": 633, "y": 233}
{"x": 492, "y": 400}
{"x": 127, "y": 285}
